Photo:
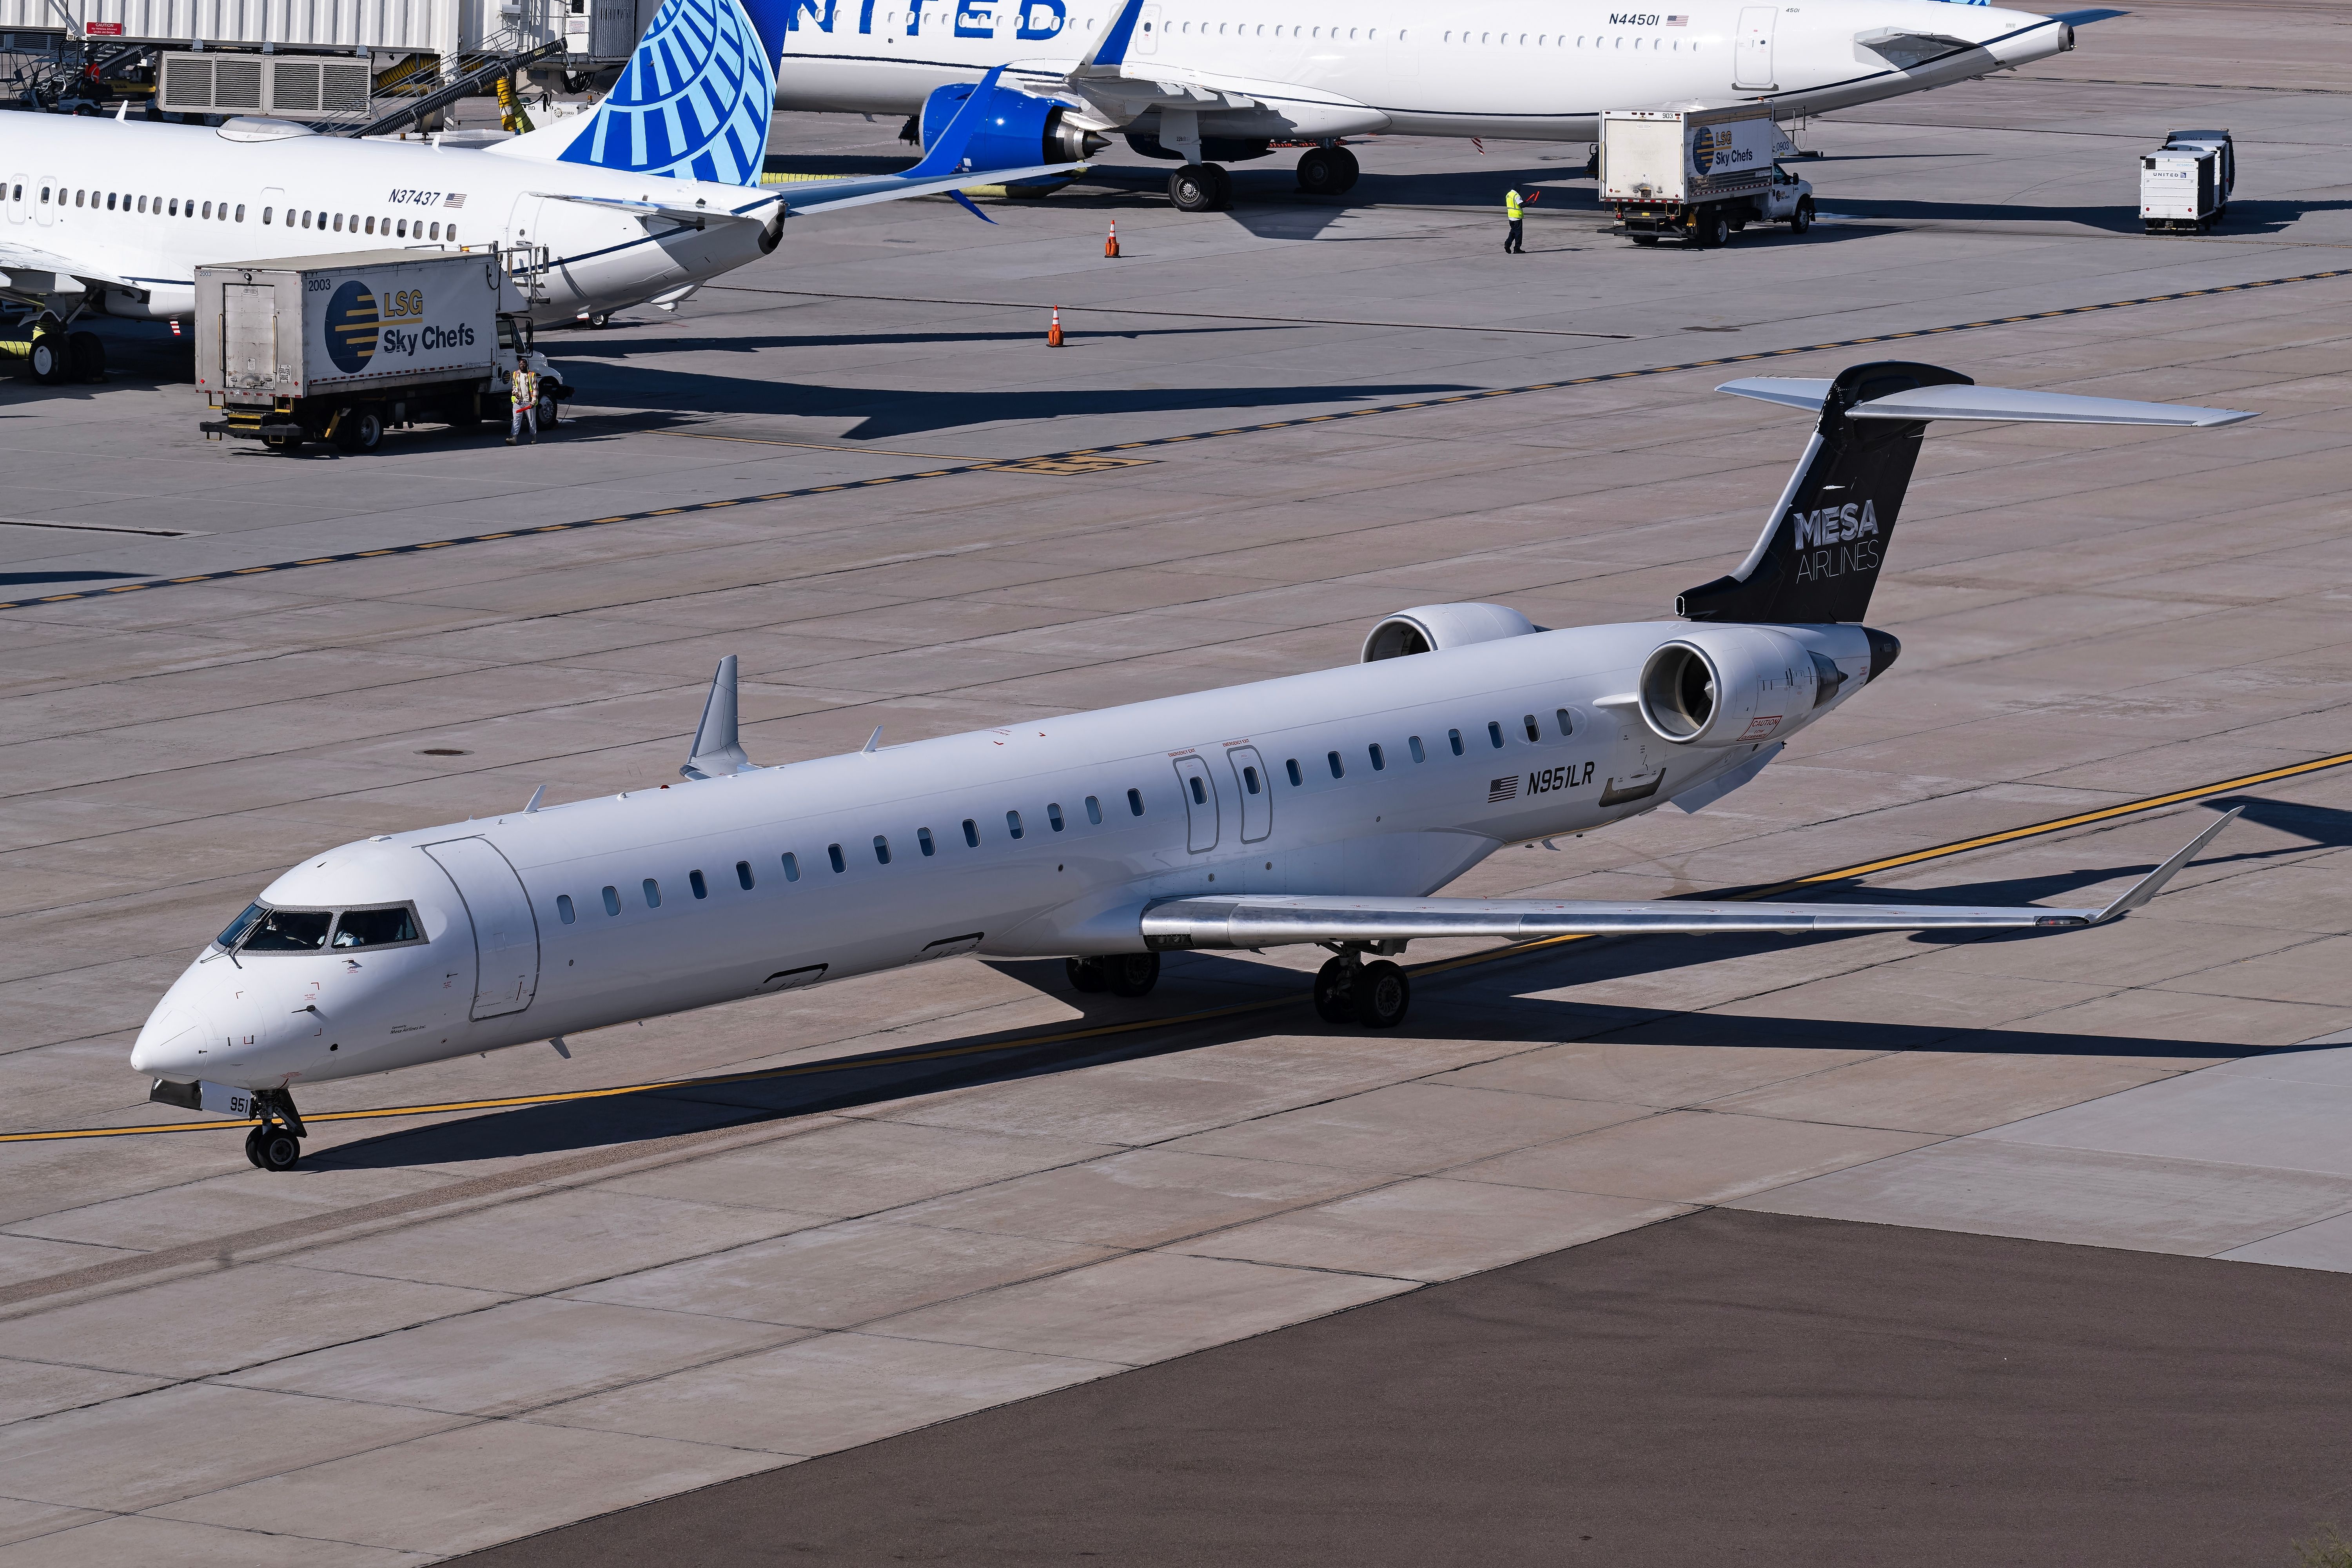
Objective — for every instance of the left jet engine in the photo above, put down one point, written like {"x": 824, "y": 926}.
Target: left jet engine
{"x": 1017, "y": 129}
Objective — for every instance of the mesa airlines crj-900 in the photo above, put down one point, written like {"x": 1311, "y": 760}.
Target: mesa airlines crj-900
{"x": 1209, "y": 82}
{"x": 1323, "y": 808}
{"x": 648, "y": 197}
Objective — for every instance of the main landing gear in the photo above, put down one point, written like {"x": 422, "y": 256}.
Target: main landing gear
{"x": 1349, "y": 990}
{"x": 1200, "y": 188}
{"x": 276, "y": 1144}
{"x": 1327, "y": 171}
{"x": 1120, "y": 974}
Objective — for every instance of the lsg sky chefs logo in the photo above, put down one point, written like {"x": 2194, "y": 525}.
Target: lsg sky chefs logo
{"x": 358, "y": 328}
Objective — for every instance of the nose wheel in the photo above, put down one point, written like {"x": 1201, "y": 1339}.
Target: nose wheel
{"x": 276, "y": 1144}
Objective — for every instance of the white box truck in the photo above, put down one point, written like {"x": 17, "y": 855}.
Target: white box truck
{"x": 2185, "y": 184}
{"x": 343, "y": 348}
{"x": 1700, "y": 176}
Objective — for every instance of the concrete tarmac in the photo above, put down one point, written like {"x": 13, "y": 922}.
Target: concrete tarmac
{"x": 454, "y": 1328}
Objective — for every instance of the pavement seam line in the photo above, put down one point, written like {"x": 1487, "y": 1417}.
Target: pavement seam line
{"x": 1080, "y": 454}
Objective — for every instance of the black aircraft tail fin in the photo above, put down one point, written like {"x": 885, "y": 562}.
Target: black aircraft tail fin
{"x": 1819, "y": 554}
{"x": 1819, "y": 557}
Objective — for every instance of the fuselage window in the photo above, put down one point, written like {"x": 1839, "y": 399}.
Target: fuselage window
{"x": 1413, "y": 744}
{"x": 1527, "y": 721}
{"x": 612, "y": 901}
{"x": 1053, "y": 815}
{"x": 1291, "y": 767}
{"x": 437, "y": 231}
{"x": 1379, "y": 761}
{"x": 925, "y": 842}
{"x": 1494, "y": 733}
{"x": 1249, "y": 781}
{"x": 1012, "y": 823}
{"x": 653, "y": 894}
{"x": 1200, "y": 790}
{"x": 267, "y": 213}
{"x": 1566, "y": 723}
{"x": 375, "y": 928}
{"x": 371, "y": 226}
{"x": 143, "y": 204}
{"x": 563, "y": 909}
{"x": 791, "y": 867}
{"x": 694, "y": 880}
{"x": 881, "y": 850}
{"x": 1337, "y": 769}
{"x": 171, "y": 211}
{"x": 743, "y": 874}
{"x": 110, "y": 201}
{"x": 1135, "y": 802}
{"x": 1454, "y": 737}
{"x": 289, "y": 931}
{"x": 1094, "y": 810}
{"x": 208, "y": 209}
{"x": 240, "y": 211}
{"x": 971, "y": 832}
{"x": 403, "y": 231}
{"x": 832, "y": 853}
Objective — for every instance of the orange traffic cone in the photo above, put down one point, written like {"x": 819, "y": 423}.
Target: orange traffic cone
{"x": 1110, "y": 245}
{"x": 1053, "y": 332}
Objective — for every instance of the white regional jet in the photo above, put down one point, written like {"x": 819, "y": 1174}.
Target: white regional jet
{"x": 648, "y": 197}
{"x": 1210, "y": 82}
{"x": 1318, "y": 808}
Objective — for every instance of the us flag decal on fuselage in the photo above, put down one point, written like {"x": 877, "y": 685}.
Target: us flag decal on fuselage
{"x": 1678, "y": 21}
{"x": 1502, "y": 789}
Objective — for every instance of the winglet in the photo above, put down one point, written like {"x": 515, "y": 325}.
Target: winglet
{"x": 715, "y": 752}
{"x": 1110, "y": 49}
{"x": 2148, "y": 887}
{"x": 947, "y": 154}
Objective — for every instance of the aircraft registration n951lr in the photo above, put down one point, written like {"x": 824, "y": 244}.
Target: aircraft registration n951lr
{"x": 1324, "y": 808}
{"x": 648, "y": 197}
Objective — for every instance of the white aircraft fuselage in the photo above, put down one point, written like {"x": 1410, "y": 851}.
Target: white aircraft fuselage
{"x": 1470, "y": 755}
{"x": 149, "y": 203}
{"x": 1319, "y": 69}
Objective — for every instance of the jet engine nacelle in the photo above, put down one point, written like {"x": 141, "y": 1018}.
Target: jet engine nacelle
{"x": 1427, "y": 628}
{"x": 1016, "y": 128}
{"x": 1717, "y": 686}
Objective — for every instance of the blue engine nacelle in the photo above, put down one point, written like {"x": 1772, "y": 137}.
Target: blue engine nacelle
{"x": 1016, "y": 131}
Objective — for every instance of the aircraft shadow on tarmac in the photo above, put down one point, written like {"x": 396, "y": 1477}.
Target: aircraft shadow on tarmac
{"x": 2245, "y": 219}
{"x": 1486, "y": 1002}
{"x": 587, "y": 344}
{"x": 888, "y": 412}
{"x": 28, "y": 579}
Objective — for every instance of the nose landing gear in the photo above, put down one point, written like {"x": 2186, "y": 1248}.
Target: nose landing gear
{"x": 276, "y": 1144}
{"x": 1349, "y": 990}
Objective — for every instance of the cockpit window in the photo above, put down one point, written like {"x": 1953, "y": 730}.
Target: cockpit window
{"x": 239, "y": 926}
{"x": 289, "y": 930}
{"x": 376, "y": 928}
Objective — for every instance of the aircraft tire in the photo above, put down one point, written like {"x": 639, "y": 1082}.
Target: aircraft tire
{"x": 49, "y": 358}
{"x": 279, "y": 1149}
{"x": 1132, "y": 974}
{"x": 1318, "y": 171}
{"x": 1086, "y": 974}
{"x": 1334, "y": 987}
{"x": 1349, "y": 170}
{"x": 86, "y": 355}
{"x": 1193, "y": 189}
{"x": 1382, "y": 995}
{"x": 1224, "y": 183}
{"x": 253, "y": 1147}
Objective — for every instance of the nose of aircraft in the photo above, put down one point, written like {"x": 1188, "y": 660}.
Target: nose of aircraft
{"x": 167, "y": 1046}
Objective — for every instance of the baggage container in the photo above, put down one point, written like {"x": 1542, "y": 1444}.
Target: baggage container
{"x": 2184, "y": 186}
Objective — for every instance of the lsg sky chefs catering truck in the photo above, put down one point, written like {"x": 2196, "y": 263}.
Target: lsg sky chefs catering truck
{"x": 343, "y": 348}
{"x": 1699, "y": 176}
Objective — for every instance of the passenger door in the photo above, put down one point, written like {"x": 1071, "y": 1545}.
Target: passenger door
{"x": 1145, "y": 39}
{"x": 16, "y": 198}
{"x": 1256, "y": 791}
{"x": 1200, "y": 792}
{"x": 1751, "y": 56}
{"x": 505, "y": 931}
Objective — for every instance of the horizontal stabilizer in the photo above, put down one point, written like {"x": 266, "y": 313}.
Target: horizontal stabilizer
{"x": 1276, "y": 920}
{"x": 1968, "y": 402}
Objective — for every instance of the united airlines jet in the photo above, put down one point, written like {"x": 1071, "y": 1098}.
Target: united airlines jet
{"x": 653, "y": 194}
{"x": 1323, "y": 808}
{"x": 1209, "y": 82}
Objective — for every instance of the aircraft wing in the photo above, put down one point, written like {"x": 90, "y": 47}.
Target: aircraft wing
{"x": 1119, "y": 88}
{"x": 1275, "y": 921}
{"x": 16, "y": 257}
{"x": 677, "y": 211}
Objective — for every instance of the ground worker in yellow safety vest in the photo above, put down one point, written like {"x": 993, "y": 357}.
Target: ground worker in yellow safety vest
{"x": 1515, "y": 211}
{"x": 524, "y": 390}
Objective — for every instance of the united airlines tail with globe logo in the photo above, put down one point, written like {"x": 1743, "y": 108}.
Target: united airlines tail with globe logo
{"x": 694, "y": 102}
